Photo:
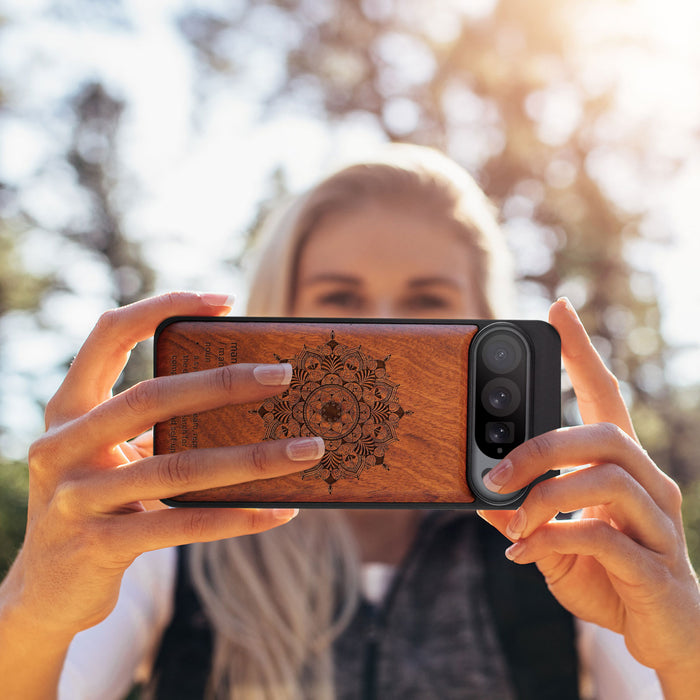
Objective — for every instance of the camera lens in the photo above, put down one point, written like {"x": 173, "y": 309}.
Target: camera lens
{"x": 499, "y": 432}
{"x": 502, "y": 353}
{"x": 500, "y": 396}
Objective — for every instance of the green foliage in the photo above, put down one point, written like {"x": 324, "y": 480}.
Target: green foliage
{"x": 18, "y": 289}
{"x": 691, "y": 521}
{"x": 14, "y": 483}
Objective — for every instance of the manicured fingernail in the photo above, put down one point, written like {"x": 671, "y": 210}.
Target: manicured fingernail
{"x": 273, "y": 375}
{"x": 516, "y": 525}
{"x": 218, "y": 299}
{"x": 499, "y": 476}
{"x": 303, "y": 449}
{"x": 515, "y": 550}
{"x": 569, "y": 306}
{"x": 285, "y": 514}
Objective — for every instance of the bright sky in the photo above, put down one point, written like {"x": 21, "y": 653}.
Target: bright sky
{"x": 194, "y": 189}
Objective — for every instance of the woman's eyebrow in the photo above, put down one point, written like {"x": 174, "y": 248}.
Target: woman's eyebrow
{"x": 433, "y": 281}
{"x": 336, "y": 278}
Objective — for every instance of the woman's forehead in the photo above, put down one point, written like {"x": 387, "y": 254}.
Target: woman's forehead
{"x": 387, "y": 234}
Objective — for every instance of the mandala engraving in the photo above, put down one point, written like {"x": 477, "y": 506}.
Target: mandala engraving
{"x": 344, "y": 396}
{"x": 331, "y": 411}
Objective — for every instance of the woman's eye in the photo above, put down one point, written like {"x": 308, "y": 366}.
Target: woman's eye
{"x": 427, "y": 302}
{"x": 341, "y": 299}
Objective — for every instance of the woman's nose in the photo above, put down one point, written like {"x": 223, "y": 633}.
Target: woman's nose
{"x": 384, "y": 308}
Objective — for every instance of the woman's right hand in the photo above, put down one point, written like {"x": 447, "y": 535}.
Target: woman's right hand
{"x": 88, "y": 516}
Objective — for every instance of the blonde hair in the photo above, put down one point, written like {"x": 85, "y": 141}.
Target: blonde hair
{"x": 277, "y": 600}
{"x": 405, "y": 175}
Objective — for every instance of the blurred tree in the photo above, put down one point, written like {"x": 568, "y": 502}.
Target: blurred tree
{"x": 94, "y": 156}
{"x": 13, "y": 510}
{"x": 95, "y": 234}
{"x": 88, "y": 172}
{"x": 18, "y": 291}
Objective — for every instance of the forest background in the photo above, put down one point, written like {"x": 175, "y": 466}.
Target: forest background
{"x": 140, "y": 143}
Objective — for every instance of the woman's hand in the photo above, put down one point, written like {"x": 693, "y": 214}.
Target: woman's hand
{"x": 624, "y": 564}
{"x": 88, "y": 514}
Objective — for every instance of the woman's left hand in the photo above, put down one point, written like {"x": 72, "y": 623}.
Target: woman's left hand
{"x": 623, "y": 564}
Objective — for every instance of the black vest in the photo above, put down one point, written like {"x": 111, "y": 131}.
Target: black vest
{"x": 534, "y": 634}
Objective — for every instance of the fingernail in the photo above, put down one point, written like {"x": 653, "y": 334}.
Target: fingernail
{"x": 273, "y": 375}
{"x": 516, "y": 525}
{"x": 303, "y": 449}
{"x": 569, "y": 306}
{"x": 218, "y": 299}
{"x": 515, "y": 550}
{"x": 285, "y": 514}
{"x": 499, "y": 476}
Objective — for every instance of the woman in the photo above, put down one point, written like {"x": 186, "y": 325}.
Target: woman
{"x": 412, "y": 236}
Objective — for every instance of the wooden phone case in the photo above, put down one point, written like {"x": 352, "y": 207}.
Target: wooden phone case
{"x": 389, "y": 400}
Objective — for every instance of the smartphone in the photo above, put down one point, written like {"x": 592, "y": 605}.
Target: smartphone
{"x": 413, "y": 413}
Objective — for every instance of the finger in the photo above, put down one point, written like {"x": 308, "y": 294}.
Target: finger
{"x": 102, "y": 357}
{"x": 606, "y": 486}
{"x": 143, "y": 444}
{"x": 497, "y": 518}
{"x": 155, "y": 400}
{"x": 130, "y": 451}
{"x": 579, "y": 445}
{"x": 143, "y": 532}
{"x": 166, "y": 476}
{"x": 138, "y": 448}
{"x": 596, "y": 388}
{"x": 614, "y": 550}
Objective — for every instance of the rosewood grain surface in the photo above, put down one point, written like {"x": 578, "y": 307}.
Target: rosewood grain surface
{"x": 390, "y": 402}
